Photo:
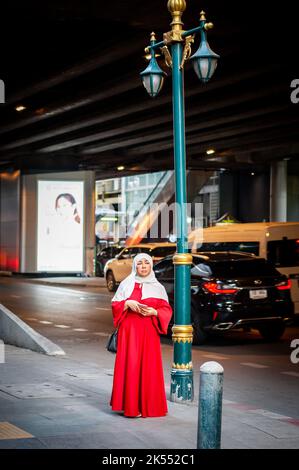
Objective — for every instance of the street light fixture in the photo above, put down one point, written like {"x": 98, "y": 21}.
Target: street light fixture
{"x": 204, "y": 63}
{"x": 204, "y": 60}
{"x": 153, "y": 75}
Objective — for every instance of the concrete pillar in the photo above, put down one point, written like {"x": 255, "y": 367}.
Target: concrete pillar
{"x": 90, "y": 202}
{"x": 229, "y": 193}
{"x": 278, "y": 191}
{"x": 293, "y": 191}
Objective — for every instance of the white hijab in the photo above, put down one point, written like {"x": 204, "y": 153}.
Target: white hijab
{"x": 151, "y": 287}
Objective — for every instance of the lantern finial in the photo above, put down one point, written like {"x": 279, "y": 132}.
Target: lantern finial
{"x": 176, "y": 8}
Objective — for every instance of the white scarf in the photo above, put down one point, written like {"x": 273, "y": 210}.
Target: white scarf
{"x": 151, "y": 287}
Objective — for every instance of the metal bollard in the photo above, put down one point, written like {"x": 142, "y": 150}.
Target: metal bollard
{"x": 210, "y": 406}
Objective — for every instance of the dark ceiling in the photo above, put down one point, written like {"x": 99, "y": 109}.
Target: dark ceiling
{"x": 75, "y": 66}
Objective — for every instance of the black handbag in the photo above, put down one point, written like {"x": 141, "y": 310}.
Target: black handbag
{"x": 112, "y": 342}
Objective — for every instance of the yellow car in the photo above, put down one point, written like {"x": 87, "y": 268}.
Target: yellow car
{"x": 118, "y": 268}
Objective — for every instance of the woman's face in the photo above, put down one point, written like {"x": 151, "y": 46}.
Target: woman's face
{"x": 65, "y": 208}
{"x": 143, "y": 267}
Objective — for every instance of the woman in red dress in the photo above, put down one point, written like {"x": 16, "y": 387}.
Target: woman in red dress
{"x": 142, "y": 313}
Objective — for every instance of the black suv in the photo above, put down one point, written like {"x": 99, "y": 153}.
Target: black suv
{"x": 233, "y": 290}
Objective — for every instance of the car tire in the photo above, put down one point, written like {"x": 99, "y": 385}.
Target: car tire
{"x": 110, "y": 281}
{"x": 272, "y": 332}
{"x": 199, "y": 335}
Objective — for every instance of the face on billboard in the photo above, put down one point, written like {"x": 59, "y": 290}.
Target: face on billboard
{"x": 60, "y": 226}
{"x": 65, "y": 208}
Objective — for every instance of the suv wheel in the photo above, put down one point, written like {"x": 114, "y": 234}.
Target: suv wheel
{"x": 272, "y": 332}
{"x": 199, "y": 335}
{"x": 110, "y": 280}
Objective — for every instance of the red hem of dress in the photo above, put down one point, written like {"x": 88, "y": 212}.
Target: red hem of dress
{"x": 142, "y": 416}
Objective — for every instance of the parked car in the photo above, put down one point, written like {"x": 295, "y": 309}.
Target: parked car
{"x": 120, "y": 267}
{"x": 233, "y": 290}
{"x": 104, "y": 255}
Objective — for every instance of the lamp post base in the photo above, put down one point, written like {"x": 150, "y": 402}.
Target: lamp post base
{"x": 181, "y": 389}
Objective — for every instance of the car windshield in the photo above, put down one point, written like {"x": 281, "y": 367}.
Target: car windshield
{"x": 247, "y": 247}
{"x": 145, "y": 250}
{"x": 242, "y": 268}
{"x": 284, "y": 253}
{"x": 163, "y": 251}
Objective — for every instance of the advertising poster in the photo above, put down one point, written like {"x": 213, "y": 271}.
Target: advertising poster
{"x": 60, "y": 226}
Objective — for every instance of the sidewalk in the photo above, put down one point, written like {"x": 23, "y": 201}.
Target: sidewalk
{"x": 60, "y": 402}
{"x": 71, "y": 281}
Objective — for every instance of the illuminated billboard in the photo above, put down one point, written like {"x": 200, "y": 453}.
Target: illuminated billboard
{"x": 60, "y": 237}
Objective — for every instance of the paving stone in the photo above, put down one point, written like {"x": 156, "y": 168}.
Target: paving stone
{"x": 43, "y": 390}
{"x": 272, "y": 427}
{"x": 84, "y": 419}
{"x": 88, "y": 441}
{"x": 22, "y": 444}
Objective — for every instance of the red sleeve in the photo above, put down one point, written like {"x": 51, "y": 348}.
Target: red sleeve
{"x": 164, "y": 316}
{"x": 118, "y": 312}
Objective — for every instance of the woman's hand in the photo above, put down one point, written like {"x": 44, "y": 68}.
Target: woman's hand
{"x": 132, "y": 305}
{"x": 148, "y": 311}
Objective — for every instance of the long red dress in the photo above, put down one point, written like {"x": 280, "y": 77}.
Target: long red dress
{"x": 138, "y": 382}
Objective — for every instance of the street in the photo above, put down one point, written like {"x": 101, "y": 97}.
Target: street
{"x": 257, "y": 375}
{"x": 165, "y": 158}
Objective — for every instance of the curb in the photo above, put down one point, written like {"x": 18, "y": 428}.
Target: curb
{"x": 59, "y": 284}
{"x": 17, "y": 333}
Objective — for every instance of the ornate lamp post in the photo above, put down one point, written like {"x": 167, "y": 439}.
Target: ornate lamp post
{"x": 204, "y": 63}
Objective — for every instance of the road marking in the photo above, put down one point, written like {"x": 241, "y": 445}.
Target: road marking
{"x": 79, "y": 329}
{"x": 252, "y": 364}
{"x": 15, "y": 296}
{"x": 31, "y": 319}
{"x": 215, "y": 356}
{"x": 292, "y": 374}
{"x": 63, "y": 291}
{"x": 62, "y": 326}
{"x": 269, "y": 414}
{"x": 229, "y": 402}
{"x": 261, "y": 412}
{"x": 103, "y": 308}
{"x": 44, "y": 322}
{"x": 102, "y": 334}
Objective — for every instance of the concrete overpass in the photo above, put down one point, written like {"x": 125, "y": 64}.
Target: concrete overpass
{"x": 75, "y": 67}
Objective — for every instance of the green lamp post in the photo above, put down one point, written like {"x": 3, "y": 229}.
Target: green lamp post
{"x": 204, "y": 63}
